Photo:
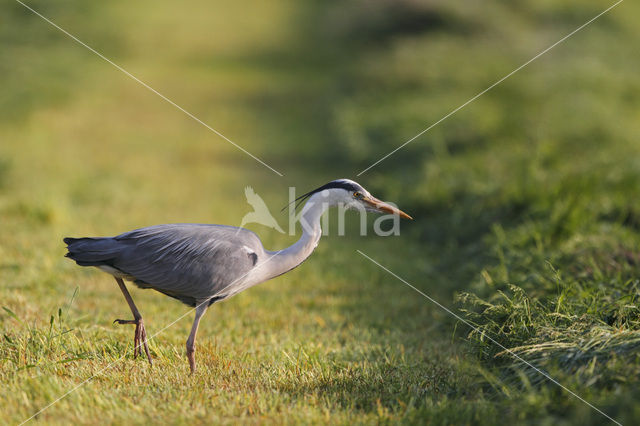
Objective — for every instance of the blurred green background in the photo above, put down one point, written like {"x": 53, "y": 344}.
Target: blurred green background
{"x": 526, "y": 207}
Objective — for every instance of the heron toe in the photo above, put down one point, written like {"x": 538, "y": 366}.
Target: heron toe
{"x": 139, "y": 337}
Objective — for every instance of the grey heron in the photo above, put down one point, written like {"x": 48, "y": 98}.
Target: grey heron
{"x": 202, "y": 264}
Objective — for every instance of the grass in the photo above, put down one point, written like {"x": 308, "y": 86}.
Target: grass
{"x": 527, "y": 220}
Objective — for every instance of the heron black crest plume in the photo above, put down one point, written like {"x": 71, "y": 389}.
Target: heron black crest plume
{"x": 345, "y": 184}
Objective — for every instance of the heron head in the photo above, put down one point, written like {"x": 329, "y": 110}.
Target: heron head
{"x": 351, "y": 194}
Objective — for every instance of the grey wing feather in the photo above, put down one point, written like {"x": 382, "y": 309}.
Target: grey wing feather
{"x": 190, "y": 262}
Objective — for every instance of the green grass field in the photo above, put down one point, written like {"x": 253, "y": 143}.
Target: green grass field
{"x": 526, "y": 206}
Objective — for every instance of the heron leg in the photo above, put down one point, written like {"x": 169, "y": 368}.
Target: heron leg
{"x": 201, "y": 308}
{"x": 140, "y": 336}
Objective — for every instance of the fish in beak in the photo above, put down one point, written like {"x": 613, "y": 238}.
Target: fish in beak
{"x": 381, "y": 206}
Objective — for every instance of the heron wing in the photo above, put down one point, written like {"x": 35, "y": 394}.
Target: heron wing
{"x": 188, "y": 261}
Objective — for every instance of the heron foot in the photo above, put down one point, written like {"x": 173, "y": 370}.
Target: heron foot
{"x": 139, "y": 338}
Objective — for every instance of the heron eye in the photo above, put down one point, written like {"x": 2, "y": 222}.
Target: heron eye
{"x": 357, "y": 195}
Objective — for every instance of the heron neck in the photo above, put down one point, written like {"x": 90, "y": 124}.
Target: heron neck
{"x": 292, "y": 256}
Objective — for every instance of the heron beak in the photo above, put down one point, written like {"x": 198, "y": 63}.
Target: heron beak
{"x": 384, "y": 207}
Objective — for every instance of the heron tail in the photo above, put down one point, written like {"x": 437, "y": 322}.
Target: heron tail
{"x": 92, "y": 251}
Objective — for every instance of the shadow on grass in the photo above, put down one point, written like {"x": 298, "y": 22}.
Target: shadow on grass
{"x": 375, "y": 386}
